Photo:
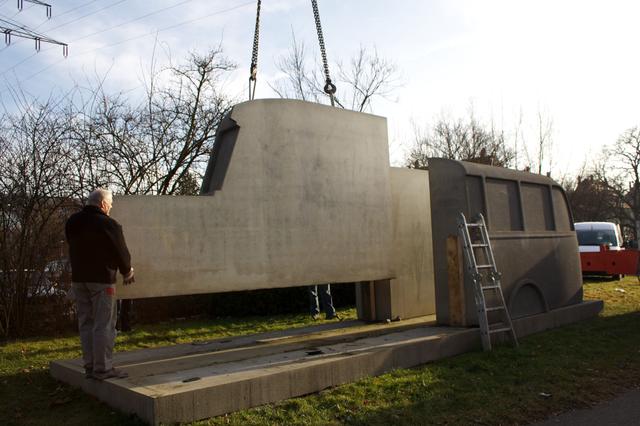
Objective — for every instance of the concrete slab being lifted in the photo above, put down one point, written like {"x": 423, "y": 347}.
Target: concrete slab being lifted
{"x": 194, "y": 381}
{"x": 296, "y": 193}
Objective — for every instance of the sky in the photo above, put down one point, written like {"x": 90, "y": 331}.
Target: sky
{"x": 573, "y": 62}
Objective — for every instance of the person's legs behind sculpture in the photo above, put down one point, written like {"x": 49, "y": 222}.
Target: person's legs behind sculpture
{"x": 323, "y": 293}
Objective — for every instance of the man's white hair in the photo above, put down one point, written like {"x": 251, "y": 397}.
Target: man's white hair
{"x": 98, "y": 195}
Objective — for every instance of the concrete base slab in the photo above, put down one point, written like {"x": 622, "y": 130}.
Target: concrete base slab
{"x": 188, "y": 382}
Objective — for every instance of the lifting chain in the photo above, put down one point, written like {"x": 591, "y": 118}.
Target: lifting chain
{"x": 253, "y": 71}
{"x": 329, "y": 87}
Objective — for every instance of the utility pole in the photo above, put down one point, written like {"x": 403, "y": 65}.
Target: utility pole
{"x": 13, "y": 29}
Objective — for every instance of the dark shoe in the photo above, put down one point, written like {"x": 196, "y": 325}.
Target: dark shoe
{"x": 88, "y": 373}
{"x": 111, "y": 374}
{"x": 336, "y": 317}
{"x": 315, "y": 317}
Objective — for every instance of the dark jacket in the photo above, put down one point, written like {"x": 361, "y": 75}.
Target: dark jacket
{"x": 97, "y": 249}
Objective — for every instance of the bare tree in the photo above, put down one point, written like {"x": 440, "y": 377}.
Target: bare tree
{"x": 540, "y": 155}
{"x": 158, "y": 145}
{"x": 363, "y": 78}
{"x": 620, "y": 172}
{"x": 460, "y": 139}
{"x": 53, "y": 153}
{"x": 591, "y": 199}
{"x": 298, "y": 82}
{"x": 545, "y": 133}
{"x": 367, "y": 76}
{"x": 35, "y": 189}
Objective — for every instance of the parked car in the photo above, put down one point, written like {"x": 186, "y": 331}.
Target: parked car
{"x": 602, "y": 251}
{"x": 53, "y": 280}
{"x": 591, "y": 235}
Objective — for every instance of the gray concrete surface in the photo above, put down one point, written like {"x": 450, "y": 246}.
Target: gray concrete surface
{"x": 412, "y": 292}
{"x": 189, "y": 382}
{"x": 531, "y": 232}
{"x": 305, "y": 199}
{"x": 623, "y": 410}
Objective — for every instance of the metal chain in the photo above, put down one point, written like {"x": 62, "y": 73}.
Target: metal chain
{"x": 329, "y": 87}
{"x": 253, "y": 71}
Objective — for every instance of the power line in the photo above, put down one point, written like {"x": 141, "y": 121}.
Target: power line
{"x": 15, "y": 14}
{"x": 64, "y": 13}
{"x": 17, "y": 24}
{"x": 85, "y": 15}
{"x": 137, "y": 37}
{"x": 75, "y": 8}
{"x": 60, "y": 26}
{"x": 133, "y": 20}
{"x": 27, "y": 8}
{"x": 38, "y": 2}
{"x": 61, "y": 14}
{"x": 104, "y": 30}
{"x": 42, "y": 23}
{"x": 180, "y": 24}
{"x": 21, "y": 31}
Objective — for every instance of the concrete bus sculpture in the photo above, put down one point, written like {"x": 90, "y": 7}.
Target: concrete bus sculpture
{"x": 531, "y": 230}
{"x": 298, "y": 193}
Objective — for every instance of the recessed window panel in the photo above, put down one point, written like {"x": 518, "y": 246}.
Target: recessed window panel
{"x": 563, "y": 219}
{"x": 504, "y": 205}
{"x": 536, "y": 202}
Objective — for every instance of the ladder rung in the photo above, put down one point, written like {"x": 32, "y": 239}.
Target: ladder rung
{"x": 499, "y": 330}
{"x": 484, "y": 266}
{"x": 479, "y": 245}
{"x": 473, "y": 225}
{"x": 490, "y": 287}
{"x": 495, "y": 308}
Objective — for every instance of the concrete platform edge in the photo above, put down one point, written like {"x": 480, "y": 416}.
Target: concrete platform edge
{"x": 108, "y": 391}
{"x": 303, "y": 378}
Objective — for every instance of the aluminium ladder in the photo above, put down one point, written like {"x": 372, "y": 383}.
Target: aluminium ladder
{"x": 486, "y": 281}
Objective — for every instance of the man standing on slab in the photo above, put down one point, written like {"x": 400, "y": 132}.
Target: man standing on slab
{"x": 97, "y": 252}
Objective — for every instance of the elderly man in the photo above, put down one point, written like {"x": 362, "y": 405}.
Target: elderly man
{"x": 97, "y": 251}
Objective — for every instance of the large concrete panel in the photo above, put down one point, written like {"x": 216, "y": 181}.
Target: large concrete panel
{"x": 299, "y": 194}
{"x": 411, "y": 293}
{"x": 188, "y": 382}
{"x": 413, "y": 290}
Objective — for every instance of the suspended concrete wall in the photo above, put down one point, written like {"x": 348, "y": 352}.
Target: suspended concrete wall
{"x": 297, "y": 193}
{"x": 531, "y": 231}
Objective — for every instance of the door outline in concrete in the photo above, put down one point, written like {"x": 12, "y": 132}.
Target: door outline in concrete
{"x": 221, "y": 155}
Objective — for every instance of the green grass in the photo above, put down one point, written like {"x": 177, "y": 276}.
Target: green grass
{"x": 573, "y": 366}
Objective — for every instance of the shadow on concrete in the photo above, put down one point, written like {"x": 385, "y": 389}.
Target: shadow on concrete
{"x": 576, "y": 366}
{"x": 234, "y": 327}
{"x": 33, "y": 397}
{"x": 470, "y": 388}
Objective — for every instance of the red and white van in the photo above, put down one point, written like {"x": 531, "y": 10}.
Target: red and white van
{"x": 602, "y": 251}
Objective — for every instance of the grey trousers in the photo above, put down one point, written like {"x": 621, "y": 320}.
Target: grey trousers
{"x": 96, "y": 304}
